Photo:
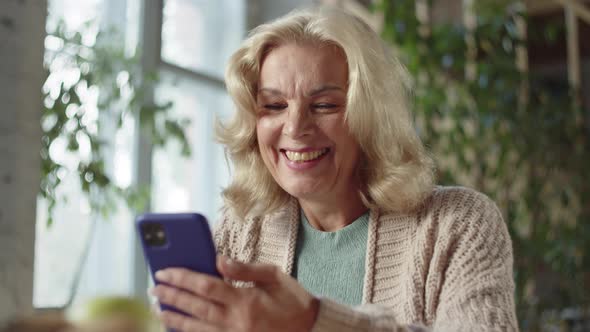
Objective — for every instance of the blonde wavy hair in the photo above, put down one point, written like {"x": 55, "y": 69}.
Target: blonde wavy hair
{"x": 396, "y": 171}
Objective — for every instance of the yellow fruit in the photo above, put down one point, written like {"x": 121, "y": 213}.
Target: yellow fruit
{"x": 112, "y": 313}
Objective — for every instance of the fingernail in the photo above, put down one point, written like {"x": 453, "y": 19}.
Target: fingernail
{"x": 229, "y": 261}
{"x": 162, "y": 275}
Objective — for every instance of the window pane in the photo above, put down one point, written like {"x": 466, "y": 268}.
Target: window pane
{"x": 200, "y": 35}
{"x": 191, "y": 184}
{"x": 59, "y": 248}
{"x": 73, "y": 12}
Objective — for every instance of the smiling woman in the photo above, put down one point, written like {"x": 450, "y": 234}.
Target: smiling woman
{"x": 332, "y": 221}
{"x": 373, "y": 94}
{"x": 301, "y": 130}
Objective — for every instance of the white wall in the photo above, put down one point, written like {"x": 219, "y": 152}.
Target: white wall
{"x": 22, "y": 30}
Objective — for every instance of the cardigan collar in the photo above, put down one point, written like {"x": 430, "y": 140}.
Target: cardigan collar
{"x": 281, "y": 229}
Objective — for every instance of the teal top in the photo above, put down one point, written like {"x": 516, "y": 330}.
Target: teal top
{"x": 332, "y": 264}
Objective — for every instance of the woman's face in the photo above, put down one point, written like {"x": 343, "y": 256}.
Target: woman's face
{"x": 302, "y": 134}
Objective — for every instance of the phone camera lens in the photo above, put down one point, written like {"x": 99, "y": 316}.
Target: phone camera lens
{"x": 154, "y": 234}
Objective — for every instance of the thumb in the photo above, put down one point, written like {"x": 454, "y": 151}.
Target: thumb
{"x": 261, "y": 274}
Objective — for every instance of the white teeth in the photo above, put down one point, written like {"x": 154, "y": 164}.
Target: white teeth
{"x": 305, "y": 156}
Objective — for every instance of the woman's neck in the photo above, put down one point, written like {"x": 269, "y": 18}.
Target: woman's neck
{"x": 330, "y": 214}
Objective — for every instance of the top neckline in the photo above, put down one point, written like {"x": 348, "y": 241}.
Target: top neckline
{"x": 359, "y": 223}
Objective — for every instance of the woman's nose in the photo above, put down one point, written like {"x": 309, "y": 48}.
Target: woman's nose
{"x": 298, "y": 122}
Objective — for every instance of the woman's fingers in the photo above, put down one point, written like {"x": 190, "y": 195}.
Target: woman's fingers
{"x": 261, "y": 274}
{"x": 204, "y": 285}
{"x": 193, "y": 305}
{"x": 186, "y": 324}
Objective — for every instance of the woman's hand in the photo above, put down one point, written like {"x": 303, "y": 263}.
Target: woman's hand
{"x": 275, "y": 303}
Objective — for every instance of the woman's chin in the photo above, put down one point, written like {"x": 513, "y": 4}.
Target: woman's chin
{"x": 303, "y": 192}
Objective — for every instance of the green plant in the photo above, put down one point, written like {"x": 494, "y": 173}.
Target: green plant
{"x": 512, "y": 134}
{"x": 91, "y": 84}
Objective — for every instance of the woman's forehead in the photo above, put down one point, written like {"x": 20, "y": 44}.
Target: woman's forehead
{"x": 304, "y": 69}
{"x": 307, "y": 49}
{"x": 321, "y": 89}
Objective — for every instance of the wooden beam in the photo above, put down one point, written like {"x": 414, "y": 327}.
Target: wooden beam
{"x": 423, "y": 16}
{"x": 578, "y": 8}
{"x": 470, "y": 23}
{"x": 573, "y": 48}
{"x": 539, "y": 7}
{"x": 522, "y": 62}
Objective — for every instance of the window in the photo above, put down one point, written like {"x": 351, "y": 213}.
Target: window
{"x": 200, "y": 35}
{"x": 191, "y": 184}
{"x": 197, "y": 37}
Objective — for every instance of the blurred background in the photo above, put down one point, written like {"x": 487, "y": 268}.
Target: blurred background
{"x": 115, "y": 102}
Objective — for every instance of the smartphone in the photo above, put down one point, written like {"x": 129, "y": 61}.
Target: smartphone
{"x": 177, "y": 240}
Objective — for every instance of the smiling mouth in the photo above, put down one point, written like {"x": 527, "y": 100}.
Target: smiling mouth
{"x": 301, "y": 157}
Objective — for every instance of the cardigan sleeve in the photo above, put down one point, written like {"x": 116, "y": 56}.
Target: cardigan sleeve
{"x": 336, "y": 317}
{"x": 474, "y": 268}
{"x": 478, "y": 289}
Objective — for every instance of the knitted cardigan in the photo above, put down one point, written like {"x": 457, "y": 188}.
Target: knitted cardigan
{"x": 445, "y": 267}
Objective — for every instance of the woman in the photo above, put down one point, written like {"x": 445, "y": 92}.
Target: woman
{"x": 332, "y": 221}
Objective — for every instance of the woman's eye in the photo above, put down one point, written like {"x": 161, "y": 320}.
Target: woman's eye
{"x": 324, "y": 106}
{"x": 274, "y": 107}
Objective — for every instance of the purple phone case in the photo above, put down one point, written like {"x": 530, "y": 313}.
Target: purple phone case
{"x": 189, "y": 244}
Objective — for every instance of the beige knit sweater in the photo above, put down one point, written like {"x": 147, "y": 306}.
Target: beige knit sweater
{"x": 447, "y": 267}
